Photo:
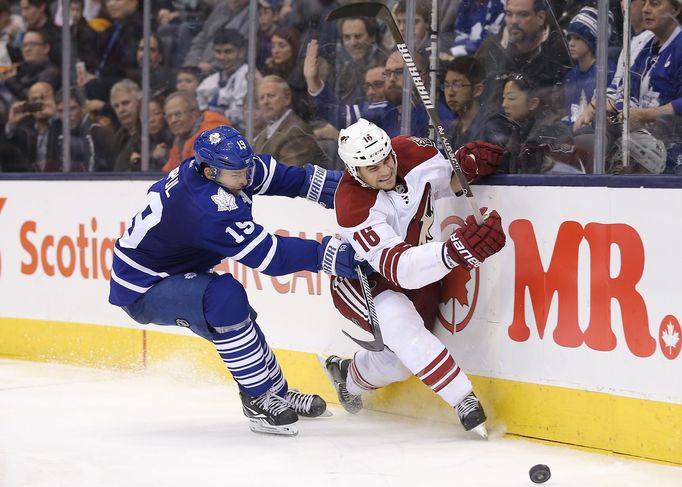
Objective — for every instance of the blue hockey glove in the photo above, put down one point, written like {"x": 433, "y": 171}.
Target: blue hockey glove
{"x": 338, "y": 258}
{"x": 320, "y": 185}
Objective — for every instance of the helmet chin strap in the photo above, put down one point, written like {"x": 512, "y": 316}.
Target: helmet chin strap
{"x": 353, "y": 171}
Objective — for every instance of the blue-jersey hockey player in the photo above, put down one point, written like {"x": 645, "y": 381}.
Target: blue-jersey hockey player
{"x": 194, "y": 218}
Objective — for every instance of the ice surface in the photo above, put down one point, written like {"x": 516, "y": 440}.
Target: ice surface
{"x": 68, "y": 426}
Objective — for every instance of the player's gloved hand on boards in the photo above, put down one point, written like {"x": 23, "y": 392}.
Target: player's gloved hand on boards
{"x": 320, "y": 185}
{"x": 470, "y": 245}
{"x": 338, "y": 258}
{"x": 486, "y": 158}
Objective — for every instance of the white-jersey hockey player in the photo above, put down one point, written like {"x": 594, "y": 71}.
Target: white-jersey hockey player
{"x": 194, "y": 218}
{"x": 384, "y": 207}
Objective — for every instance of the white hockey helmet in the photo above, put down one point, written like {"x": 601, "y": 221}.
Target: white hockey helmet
{"x": 645, "y": 150}
{"x": 363, "y": 144}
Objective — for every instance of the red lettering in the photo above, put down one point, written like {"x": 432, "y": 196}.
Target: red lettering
{"x": 26, "y": 228}
{"x": 622, "y": 288}
{"x": 47, "y": 267}
{"x": 561, "y": 278}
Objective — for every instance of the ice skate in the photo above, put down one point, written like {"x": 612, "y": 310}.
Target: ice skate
{"x": 307, "y": 405}
{"x": 471, "y": 415}
{"x": 336, "y": 369}
{"x": 269, "y": 413}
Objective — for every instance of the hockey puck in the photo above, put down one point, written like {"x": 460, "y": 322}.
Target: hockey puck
{"x": 539, "y": 474}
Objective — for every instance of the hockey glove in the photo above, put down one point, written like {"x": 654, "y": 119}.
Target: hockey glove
{"x": 471, "y": 244}
{"x": 338, "y": 258}
{"x": 320, "y": 185}
{"x": 478, "y": 159}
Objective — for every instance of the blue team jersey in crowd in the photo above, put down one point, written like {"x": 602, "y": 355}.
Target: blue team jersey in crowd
{"x": 190, "y": 224}
{"x": 579, "y": 88}
{"x": 657, "y": 74}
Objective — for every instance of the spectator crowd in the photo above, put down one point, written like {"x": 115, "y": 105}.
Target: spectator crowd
{"x": 517, "y": 73}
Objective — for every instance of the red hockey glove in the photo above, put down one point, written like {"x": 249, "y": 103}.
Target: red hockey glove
{"x": 486, "y": 158}
{"x": 471, "y": 244}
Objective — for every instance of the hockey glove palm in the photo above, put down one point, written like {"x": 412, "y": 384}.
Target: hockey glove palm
{"x": 338, "y": 258}
{"x": 471, "y": 244}
{"x": 320, "y": 185}
{"x": 478, "y": 159}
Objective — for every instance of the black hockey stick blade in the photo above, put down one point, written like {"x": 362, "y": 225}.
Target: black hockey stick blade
{"x": 376, "y": 345}
{"x": 361, "y": 9}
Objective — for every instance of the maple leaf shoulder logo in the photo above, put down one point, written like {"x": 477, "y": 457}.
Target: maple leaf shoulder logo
{"x": 669, "y": 337}
{"x": 214, "y": 138}
{"x": 224, "y": 200}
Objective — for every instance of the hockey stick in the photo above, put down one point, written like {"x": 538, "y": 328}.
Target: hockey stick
{"x": 381, "y": 12}
{"x": 376, "y": 345}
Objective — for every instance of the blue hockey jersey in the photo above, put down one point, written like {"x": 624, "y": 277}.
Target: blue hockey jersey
{"x": 656, "y": 74}
{"x": 190, "y": 224}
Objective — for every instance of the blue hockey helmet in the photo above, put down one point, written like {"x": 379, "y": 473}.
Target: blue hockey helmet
{"x": 224, "y": 148}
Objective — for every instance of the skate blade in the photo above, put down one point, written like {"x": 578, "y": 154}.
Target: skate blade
{"x": 261, "y": 426}
{"x": 481, "y": 430}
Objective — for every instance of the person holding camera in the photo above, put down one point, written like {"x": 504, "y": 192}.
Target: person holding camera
{"x": 28, "y": 129}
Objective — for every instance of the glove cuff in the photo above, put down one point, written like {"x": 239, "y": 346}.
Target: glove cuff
{"x": 447, "y": 260}
{"x": 328, "y": 264}
{"x": 316, "y": 184}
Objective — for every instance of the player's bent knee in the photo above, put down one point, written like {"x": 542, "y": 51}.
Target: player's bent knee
{"x": 226, "y": 305}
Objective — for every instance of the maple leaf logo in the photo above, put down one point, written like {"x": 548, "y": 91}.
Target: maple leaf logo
{"x": 454, "y": 290}
{"x": 455, "y": 287}
{"x": 670, "y": 337}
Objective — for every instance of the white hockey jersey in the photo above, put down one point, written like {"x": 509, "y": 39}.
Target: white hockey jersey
{"x": 394, "y": 230}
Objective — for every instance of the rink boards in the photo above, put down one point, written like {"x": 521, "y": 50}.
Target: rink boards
{"x": 570, "y": 334}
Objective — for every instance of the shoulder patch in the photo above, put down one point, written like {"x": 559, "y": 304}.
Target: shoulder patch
{"x": 353, "y": 202}
{"x": 412, "y": 151}
{"x": 224, "y": 200}
{"x": 422, "y": 142}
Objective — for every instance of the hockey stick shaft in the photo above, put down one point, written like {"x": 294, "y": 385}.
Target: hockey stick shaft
{"x": 377, "y": 344}
{"x": 381, "y": 11}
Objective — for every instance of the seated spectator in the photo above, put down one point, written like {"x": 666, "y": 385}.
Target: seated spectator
{"x": 535, "y": 128}
{"x": 225, "y": 91}
{"x": 527, "y": 45}
{"x": 227, "y": 14}
{"x": 386, "y": 115}
{"x": 161, "y": 77}
{"x": 186, "y": 122}
{"x": 657, "y": 72}
{"x": 188, "y": 78}
{"x": 641, "y": 37}
{"x": 463, "y": 87}
{"x": 91, "y": 143}
{"x": 475, "y": 21}
{"x": 36, "y": 66}
{"x": 286, "y": 136}
{"x": 359, "y": 48}
{"x": 125, "y": 99}
{"x": 375, "y": 84}
{"x": 116, "y": 49}
{"x": 160, "y": 137}
{"x": 36, "y": 15}
{"x": 28, "y": 128}
{"x": 268, "y": 21}
{"x": 285, "y": 64}
{"x": 422, "y": 25}
{"x": 580, "y": 80}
